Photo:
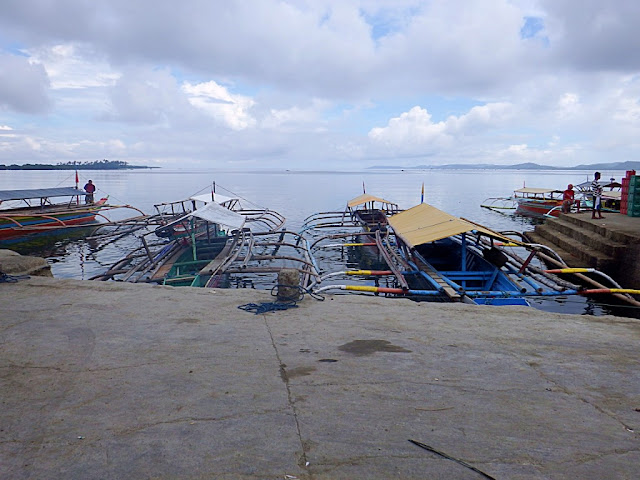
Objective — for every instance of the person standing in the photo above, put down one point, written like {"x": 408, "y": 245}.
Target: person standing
{"x": 90, "y": 188}
{"x": 568, "y": 199}
{"x": 596, "y": 191}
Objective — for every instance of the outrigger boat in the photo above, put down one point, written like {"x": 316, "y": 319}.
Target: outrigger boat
{"x": 371, "y": 212}
{"x": 538, "y": 202}
{"x": 260, "y": 219}
{"x": 431, "y": 255}
{"x": 527, "y": 201}
{"x": 365, "y": 212}
{"x": 206, "y": 246}
{"x": 358, "y": 231}
{"x": 446, "y": 256}
{"x": 40, "y": 212}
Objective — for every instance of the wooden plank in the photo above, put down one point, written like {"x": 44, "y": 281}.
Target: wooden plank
{"x": 166, "y": 267}
{"x": 214, "y": 264}
{"x": 433, "y": 273}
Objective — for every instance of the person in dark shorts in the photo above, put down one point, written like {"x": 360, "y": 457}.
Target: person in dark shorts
{"x": 90, "y": 188}
{"x": 596, "y": 191}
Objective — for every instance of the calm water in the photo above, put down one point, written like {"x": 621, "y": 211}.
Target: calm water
{"x": 297, "y": 195}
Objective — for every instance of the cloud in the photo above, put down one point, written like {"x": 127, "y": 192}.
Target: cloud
{"x": 144, "y": 96}
{"x": 415, "y": 132}
{"x": 73, "y": 66}
{"x": 298, "y": 117}
{"x": 24, "y": 86}
{"x": 217, "y": 102}
{"x": 284, "y": 82}
{"x": 592, "y": 35}
{"x": 411, "y": 129}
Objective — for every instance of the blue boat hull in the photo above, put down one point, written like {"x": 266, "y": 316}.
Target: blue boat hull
{"x": 475, "y": 278}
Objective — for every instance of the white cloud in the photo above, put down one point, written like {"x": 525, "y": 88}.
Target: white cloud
{"x": 71, "y": 65}
{"x": 414, "y": 131}
{"x": 517, "y": 149}
{"x": 216, "y": 101}
{"x": 298, "y": 117}
{"x": 277, "y": 81}
{"x": 410, "y": 129}
{"x": 569, "y": 104}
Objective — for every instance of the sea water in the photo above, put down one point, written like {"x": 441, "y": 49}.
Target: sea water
{"x": 296, "y": 195}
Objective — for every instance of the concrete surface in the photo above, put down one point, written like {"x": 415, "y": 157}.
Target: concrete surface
{"x": 113, "y": 381}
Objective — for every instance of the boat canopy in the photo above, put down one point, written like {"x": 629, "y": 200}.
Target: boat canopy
{"x": 425, "y": 223}
{"x": 39, "y": 193}
{"x": 366, "y": 198}
{"x": 214, "y": 213}
{"x": 537, "y": 191}
{"x": 209, "y": 197}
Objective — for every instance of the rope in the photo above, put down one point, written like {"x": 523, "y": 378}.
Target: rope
{"x": 280, "y": 305}
{"x": 259, "y": 308}
{"x": 5, "y": 278}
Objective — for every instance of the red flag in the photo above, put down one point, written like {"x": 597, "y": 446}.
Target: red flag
{"x": 77, "y": 179}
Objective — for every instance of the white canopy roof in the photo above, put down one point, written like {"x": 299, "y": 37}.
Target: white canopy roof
{"x": 214, "y": 213}
{"x": 209, "y": 197}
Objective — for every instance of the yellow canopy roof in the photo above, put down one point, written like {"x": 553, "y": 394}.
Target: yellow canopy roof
{"x": 365, "y": 198}
{"x": 425, "y": 223}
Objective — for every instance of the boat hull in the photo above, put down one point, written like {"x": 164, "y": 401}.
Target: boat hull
{"x": 538, "y": 208}
{"x": 16, "y": 227}
{"x": 185, "y": 269}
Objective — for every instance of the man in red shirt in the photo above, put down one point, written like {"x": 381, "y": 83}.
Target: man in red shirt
{"x": 90, "y": 188}
{"x": 568, "y": 199}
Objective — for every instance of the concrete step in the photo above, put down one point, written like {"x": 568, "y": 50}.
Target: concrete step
{"x": 583, "y": 220}
{"x": 587, "y": 237}
{"x": 587, "y": 257}
{"x": 568, "y": 257}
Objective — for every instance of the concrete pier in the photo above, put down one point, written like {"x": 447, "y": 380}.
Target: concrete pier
{"x": 610, "y": 244}
{"x": 113, "y": 381}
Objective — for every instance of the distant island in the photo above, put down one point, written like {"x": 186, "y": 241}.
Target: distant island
{"x": 97, "y": 165}
{"x": 521, "y": 166}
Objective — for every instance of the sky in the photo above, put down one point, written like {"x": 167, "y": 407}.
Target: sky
{"x": 319, "y": 84}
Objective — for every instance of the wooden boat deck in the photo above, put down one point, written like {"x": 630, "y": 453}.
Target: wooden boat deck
{"x": 162, "y": 272}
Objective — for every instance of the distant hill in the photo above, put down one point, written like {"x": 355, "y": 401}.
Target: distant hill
{"x": 520, "y": 166}
{"x": 97, "y": 165}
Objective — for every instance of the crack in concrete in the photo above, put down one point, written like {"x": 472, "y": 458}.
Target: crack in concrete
{"x": 438, "y": 383}
{"x": 191, "y": 420}
{"x": 33, "y": 367}
{"x": 585, "y": 458}
{"x": 568, "y": 392}
{"x": 302, "y": 462}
